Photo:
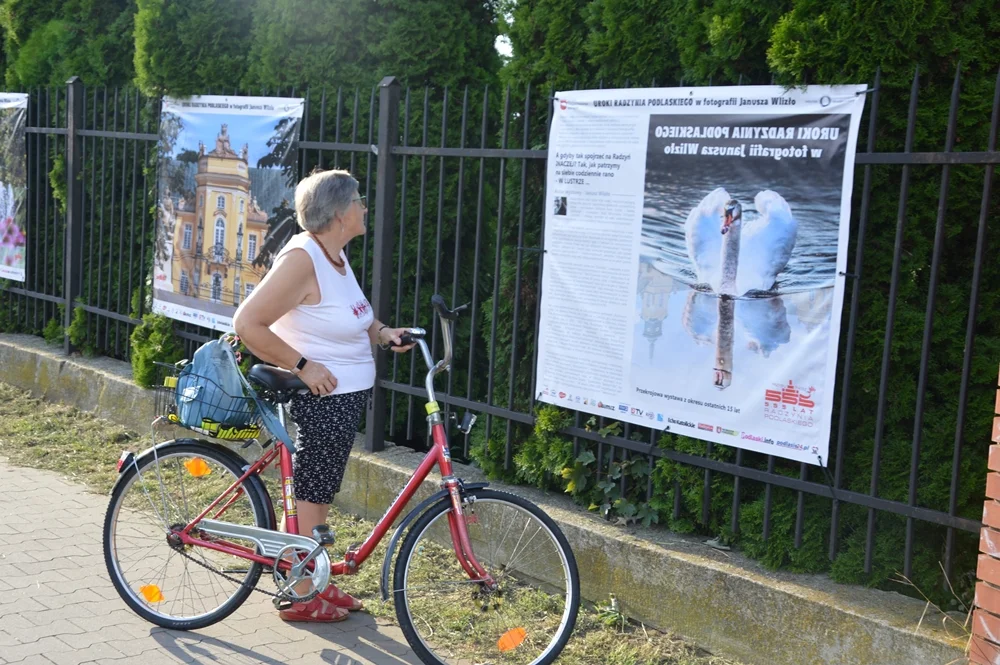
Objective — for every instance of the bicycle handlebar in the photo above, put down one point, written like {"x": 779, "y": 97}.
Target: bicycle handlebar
{"x": 437, "y": 301}
{"x": 416, "y": 336}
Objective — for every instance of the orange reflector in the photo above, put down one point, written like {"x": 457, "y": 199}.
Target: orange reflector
{"x": 151, "y": 593}
{"x": 511, "y": 639}
{"x": 197, "y": 467}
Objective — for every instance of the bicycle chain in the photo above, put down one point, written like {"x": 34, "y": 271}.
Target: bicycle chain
{"x": 304, "y": 599}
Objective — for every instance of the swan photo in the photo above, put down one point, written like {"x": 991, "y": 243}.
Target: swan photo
{"x": 736, "y": 279}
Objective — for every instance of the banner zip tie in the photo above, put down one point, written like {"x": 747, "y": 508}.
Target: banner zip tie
{"x": 866, "y": 91}
{"x": 532, "y": 249}
{"x": 848, "y": 274}
{"x": 829, "y": 478}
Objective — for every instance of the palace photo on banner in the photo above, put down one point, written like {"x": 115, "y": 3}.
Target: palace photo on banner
{"x": 226, "y": 179}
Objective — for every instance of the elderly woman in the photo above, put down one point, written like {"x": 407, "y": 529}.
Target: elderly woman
{"x": 310, "y": 316}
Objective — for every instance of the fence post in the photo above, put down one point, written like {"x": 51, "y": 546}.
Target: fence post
{"x": 73, "y": 253}
{"x": 383, "y": 231}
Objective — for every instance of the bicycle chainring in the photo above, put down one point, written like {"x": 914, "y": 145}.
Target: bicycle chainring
{"x": 281, "y": 601}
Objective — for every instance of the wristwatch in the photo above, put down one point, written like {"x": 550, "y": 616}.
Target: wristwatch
{"x": 299, "y": 365}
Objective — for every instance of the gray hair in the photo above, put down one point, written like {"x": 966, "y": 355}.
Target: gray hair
{"x": 321, "y": 196}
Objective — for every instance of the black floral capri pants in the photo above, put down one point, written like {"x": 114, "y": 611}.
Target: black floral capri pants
{"x": 326, "y": 428}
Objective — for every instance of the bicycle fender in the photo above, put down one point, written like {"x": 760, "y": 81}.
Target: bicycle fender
{"x": 397, "y": 535}
{"x": 253, "y": 481}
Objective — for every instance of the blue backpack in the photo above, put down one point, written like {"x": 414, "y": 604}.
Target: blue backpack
{"x": 211, "y": 392}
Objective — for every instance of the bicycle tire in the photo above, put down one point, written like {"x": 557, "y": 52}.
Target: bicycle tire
{"x": 414, "y": 536}
{"x": 263, "y": 518}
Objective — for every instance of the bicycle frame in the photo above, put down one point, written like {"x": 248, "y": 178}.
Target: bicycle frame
{"x": 439, "y": 456}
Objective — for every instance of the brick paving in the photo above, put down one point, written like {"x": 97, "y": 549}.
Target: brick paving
{"x": 57, "y": 605}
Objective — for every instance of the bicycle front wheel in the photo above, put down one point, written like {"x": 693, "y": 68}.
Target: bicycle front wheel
{"x": 164, "y": 581}
{"x": 449, "y": 619}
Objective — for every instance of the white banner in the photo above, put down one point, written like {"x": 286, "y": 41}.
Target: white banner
{"x": 227, "y": 170}
{"x": 13, "y": 185}
{"x": 695, "y": 245}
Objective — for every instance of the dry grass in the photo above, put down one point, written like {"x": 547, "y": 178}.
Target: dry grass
{"x": 76, "y": 445}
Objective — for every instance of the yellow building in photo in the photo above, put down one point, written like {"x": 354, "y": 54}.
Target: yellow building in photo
{"x": 217, "y": 236}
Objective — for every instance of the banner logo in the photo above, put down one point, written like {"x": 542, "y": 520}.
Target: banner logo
{"x": 790, "y": 395}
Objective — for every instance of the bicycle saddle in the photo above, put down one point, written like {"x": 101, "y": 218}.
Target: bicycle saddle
{"x": 276, "y": 380}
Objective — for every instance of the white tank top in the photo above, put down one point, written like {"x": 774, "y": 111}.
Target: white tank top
{"x": 333, "y": 332}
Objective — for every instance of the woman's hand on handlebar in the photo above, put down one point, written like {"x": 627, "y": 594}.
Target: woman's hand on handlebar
{"x": 319, "y": 379}
{"x": 394, "y": 337}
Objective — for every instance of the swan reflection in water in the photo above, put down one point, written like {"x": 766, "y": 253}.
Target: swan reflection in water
{"x": 711, "y": 320}
{"x": 654, "y": 289}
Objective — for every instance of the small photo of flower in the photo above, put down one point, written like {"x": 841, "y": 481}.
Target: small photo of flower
{"x": 12, "y": 239}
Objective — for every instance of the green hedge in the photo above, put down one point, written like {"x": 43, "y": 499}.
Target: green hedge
{"x": 727, "y": 41}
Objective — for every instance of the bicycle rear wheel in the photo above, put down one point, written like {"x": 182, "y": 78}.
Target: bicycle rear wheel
{"x": 163, "y": 581}
{"x": 450, "y": 620}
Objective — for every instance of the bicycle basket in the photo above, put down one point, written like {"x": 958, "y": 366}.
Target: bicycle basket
{"x": 199, "y": 403}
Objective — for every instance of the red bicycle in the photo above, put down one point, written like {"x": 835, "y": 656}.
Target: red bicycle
{"x": 482, "y": 576}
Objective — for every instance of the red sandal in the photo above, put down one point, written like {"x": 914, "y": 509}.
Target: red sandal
{"x": 317, "y": 610}
{"x": 340, "y": 599}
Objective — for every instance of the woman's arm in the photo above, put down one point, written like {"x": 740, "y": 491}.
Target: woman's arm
{"x": 287, "y": 284}
{"x": 373, "y": 331}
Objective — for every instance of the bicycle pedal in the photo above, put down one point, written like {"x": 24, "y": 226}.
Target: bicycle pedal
{"x": 323, "y": 534}
{"x": 282, "y": 604}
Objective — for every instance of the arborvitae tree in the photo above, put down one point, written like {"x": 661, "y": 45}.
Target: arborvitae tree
{"x": 45, "y": 42}
{"x": 549, "y": 39}
{"x": 724, "y": 41}
{"x": 437, "y": 42}
{"x": 310, "y": 43}
{"x": 564, "y": 43}
{"x": 355, "y": 42}
{"x": 629, "y": 41}
{"x": 19, "y": 19}
{"x": 185, "y": 47}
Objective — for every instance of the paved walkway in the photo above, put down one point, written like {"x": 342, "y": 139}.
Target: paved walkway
{"x": 58, "y": 606}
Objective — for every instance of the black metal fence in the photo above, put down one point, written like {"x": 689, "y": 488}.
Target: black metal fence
{"x": 455, "y": 181}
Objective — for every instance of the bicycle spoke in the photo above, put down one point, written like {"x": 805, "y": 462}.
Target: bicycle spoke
{"x": 142, "y": 485}
{"x": 523, "y": 554}
{"x": 187, "y": 513}
{"x": 141, "y": 559}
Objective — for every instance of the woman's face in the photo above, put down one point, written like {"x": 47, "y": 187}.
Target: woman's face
{"x": 353, "y": 221}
